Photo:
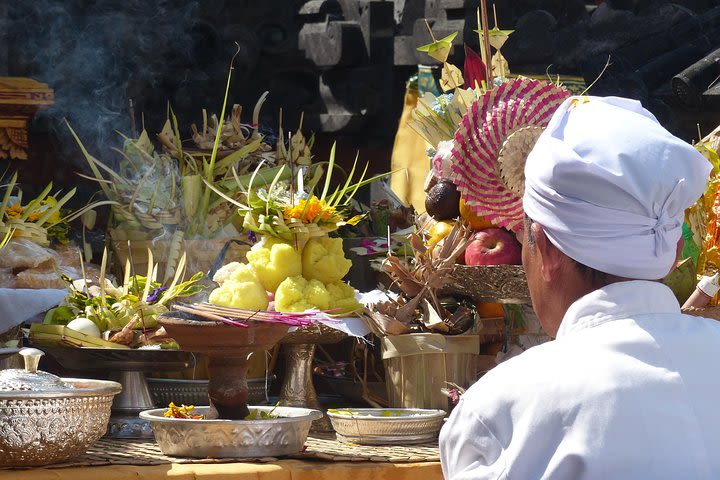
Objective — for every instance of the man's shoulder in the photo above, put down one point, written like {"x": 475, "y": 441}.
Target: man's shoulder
{"x": 534, "y": 366}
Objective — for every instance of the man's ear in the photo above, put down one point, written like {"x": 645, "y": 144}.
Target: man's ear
{"x": 548, "y": 254}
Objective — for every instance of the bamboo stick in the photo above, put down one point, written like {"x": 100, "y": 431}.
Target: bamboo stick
{"x": 223, "y": 314}
{"x": 480, "y": 38}
{"x": 486, "y": 43}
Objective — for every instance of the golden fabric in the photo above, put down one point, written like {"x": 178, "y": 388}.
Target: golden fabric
{"x": 280, "y": 470}
{"x": 409, "y": 155}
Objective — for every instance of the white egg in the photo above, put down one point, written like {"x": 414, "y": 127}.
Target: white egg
{"x": 86, "y": 326}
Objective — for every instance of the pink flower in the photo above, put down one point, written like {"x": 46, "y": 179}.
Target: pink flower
{"x": 442, "y": 161}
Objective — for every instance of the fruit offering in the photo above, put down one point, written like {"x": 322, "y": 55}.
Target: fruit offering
{"x": 239, "y": 288}
{"x": 126, "y": 313}
{"x": 295, "y": 281}
{"x": 296, "y": 266}
{"x": 493, "y": 246}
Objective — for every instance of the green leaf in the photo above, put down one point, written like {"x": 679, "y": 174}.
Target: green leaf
{"x": 239, "y": 154}
{"x": 493, "y": 32}
{"x": 6, "y": 197}
{"x": 328, "y": 175}
{"x": 210, "y": 171}
{"x": 35, "y": 203}
{"x": 59, "y": 315}
{"x": 56, "y": 208}
{"x": 192, "y": 186}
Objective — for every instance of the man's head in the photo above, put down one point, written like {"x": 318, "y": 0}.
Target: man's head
{"x": 606, "y": 188}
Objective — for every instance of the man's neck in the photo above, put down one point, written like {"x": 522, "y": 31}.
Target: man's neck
{"x": 572, "y": 287}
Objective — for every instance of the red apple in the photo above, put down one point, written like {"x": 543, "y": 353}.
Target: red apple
{"x": 493, "y": 246}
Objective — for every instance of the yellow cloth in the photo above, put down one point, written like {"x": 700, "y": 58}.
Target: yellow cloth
{"x": 280, "y": 470}
{"x": 409, "y": 155}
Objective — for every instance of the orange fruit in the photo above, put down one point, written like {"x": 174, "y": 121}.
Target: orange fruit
{"x": 490, "y": 309}
{"x": 439, "y": 231}
{"x": 475, "y": 221}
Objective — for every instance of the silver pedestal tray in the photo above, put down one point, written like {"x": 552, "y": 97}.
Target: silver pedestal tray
{"x": 297, "y": 388}
{"x": 127, "y": 367}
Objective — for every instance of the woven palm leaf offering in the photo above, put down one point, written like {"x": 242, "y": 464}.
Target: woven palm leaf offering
{"x": 295, "y": 260}
{"x": 479, "y": 140}
{"x": 40, "y": 219}
{"x": 99, "y": 313}
{"x": 162, "y": 190}
{"x": 420, "y": 306}
{"x": 34, "y": 234}
{"x": 292, "y": 276}
{"x": 162, "y": 201}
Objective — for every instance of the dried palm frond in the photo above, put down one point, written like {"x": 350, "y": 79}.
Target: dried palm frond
{"x": 420, "y": 280}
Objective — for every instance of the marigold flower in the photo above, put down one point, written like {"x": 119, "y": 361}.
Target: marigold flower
{"x": 312, "y": 210}
{"x": 14, "y": 211}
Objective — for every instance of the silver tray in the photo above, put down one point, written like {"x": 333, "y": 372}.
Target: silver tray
{"x": 195, "y": 392}
{"x": 121, "y": 359}
{"x": 386, "y": 426}
{"x": 233, "y": 438}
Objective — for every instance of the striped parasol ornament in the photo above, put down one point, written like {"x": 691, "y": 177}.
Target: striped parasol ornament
{"x": 492, "y": 143}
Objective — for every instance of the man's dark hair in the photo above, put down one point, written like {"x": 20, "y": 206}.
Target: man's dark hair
{"x": 595, "y": 276}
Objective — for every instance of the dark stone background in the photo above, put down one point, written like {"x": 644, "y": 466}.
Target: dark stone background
{"x": 343, "y": 63}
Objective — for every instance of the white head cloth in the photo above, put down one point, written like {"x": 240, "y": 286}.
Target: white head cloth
{"x": 610, "y": 186}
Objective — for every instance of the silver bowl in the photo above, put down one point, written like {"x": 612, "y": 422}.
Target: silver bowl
{"x": 275, "y": 437}
{"x": 39, "y": 428}
{"x": 386, "y": 426}
{"x": 195, "y": 392}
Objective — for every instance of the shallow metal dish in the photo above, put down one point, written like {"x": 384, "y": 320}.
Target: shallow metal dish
{"x": 195, "y": 392}
{"x": 386, "y": 426}
{"x": 39, "y": 428}
{"x": 233, "y": 438}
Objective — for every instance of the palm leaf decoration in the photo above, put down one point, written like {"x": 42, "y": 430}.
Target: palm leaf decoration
{"x": 290, "y": 209}
{"x": 439, "y": 49}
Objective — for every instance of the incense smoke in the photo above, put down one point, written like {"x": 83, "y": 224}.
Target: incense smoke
{"x": 97, "y": 55}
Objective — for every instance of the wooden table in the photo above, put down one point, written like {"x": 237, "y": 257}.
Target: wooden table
{"x": 322, "y": 458}
{"x": 279, "y": 470}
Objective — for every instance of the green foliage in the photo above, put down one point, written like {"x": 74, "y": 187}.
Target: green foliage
{"x": 110, "y": 307}
{"x": 262, "y": 415}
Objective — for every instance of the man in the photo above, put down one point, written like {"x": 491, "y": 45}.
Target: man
{"x": 629, "y": 388}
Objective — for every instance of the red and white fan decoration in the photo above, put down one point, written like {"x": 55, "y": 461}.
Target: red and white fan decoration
{"x": 492, "y": 143}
